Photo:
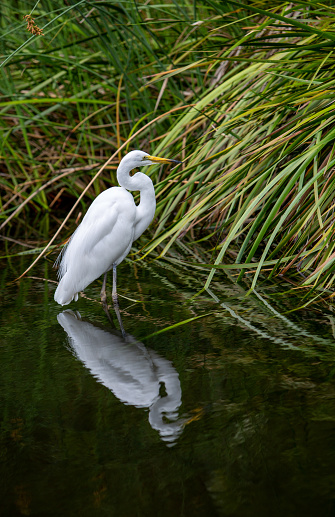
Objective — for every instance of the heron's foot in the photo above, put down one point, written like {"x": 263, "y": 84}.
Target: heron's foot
{"x": 117, "y": 312}
{"x": 108, "y": 314}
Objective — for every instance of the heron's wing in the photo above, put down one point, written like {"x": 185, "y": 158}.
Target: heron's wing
{"x": 104, "y": 233}
{"x": 93, "y": 228}
{"x": 98, "y": 223}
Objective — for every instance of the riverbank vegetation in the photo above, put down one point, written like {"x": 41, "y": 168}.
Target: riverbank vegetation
{"x": 241, "y": 92}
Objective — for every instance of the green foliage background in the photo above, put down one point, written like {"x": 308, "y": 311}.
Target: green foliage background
{"x": 242, "y": 93}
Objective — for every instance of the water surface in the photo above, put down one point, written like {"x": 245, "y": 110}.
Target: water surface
{"x": 231, "y": 414}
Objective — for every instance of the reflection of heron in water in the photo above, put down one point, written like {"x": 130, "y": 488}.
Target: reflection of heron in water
{"x": 135, "y": 374}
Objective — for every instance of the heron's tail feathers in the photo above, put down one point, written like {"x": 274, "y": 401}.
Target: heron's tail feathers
{"x": 65, "y": 293}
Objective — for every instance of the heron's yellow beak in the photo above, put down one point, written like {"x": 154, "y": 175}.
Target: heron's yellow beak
{"x": 157, "y": 159}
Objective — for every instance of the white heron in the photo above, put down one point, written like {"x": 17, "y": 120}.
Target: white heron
{"x": 104, "y": 237}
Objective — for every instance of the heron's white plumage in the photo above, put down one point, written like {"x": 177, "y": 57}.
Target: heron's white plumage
{"x": 85, "y": 258}
{"x": 106, "y": 233}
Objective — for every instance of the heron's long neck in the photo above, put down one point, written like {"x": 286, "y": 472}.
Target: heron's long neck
{"x": 124, "y": 178}
{"x": 145, "y": 210}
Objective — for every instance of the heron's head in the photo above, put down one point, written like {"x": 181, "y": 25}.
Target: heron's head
{"x": 140, "y": 158}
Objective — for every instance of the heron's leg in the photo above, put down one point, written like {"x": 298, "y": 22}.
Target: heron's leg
{"x": 118, "y": 315}
{"x": 114, "y": 293}
{"x": 103, "y": 294}
{"x": 116, "y": 302}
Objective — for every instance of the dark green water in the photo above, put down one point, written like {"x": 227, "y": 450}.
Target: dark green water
{"x": 232, "y": 414}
